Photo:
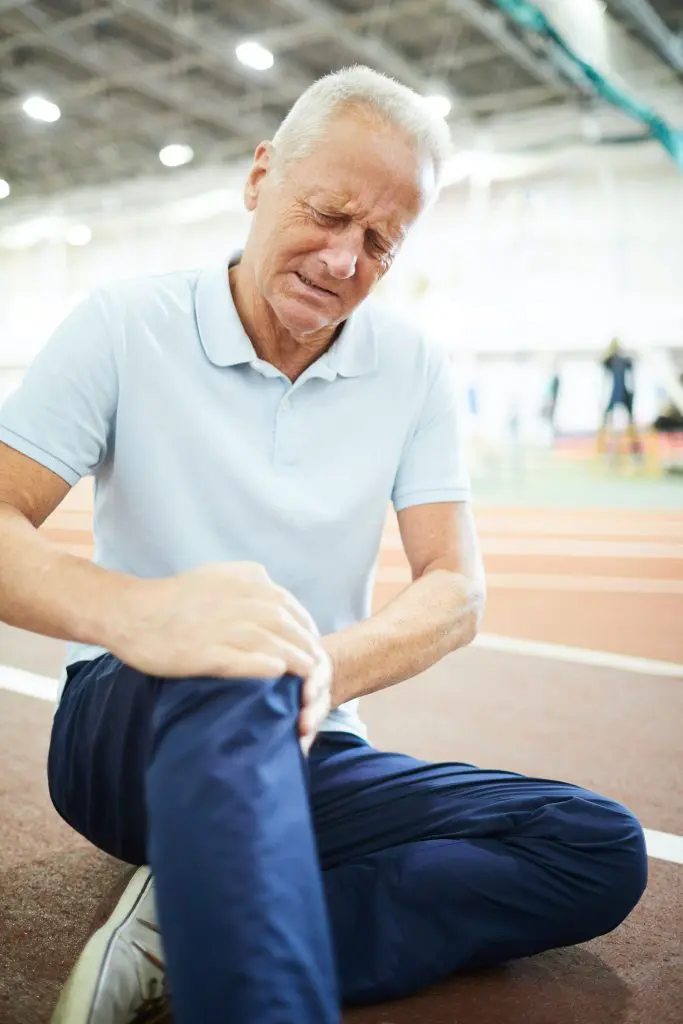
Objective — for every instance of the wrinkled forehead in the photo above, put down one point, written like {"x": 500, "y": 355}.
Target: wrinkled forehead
{"x": 360, "y": 165}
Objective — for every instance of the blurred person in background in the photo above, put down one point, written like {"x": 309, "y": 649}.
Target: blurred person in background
{"x": 670, "y": 418}
{"x": 621, "y": 382}
{"x": 669, "y": 423}
{"x": 247, "y": 427}
{"x": 551, "y": 399}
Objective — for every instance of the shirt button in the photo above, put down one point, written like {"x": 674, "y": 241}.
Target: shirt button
{"x": 286, "y": 404}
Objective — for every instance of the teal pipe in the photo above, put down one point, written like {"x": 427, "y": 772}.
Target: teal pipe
{"x": 532, "y": 19}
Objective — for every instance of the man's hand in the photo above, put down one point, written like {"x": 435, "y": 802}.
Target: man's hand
{"x": 225, "y": 620}
{"x": 316, "y": 701}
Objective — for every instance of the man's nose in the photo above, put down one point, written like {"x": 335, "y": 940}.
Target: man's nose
{"x": 341, "y": 256}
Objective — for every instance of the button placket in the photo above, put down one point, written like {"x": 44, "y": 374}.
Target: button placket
{"x": 285, "y": 454}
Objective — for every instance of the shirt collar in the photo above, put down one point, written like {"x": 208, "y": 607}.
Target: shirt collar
{"x": 221, "y": 333}
{"x": 226, "y": 343}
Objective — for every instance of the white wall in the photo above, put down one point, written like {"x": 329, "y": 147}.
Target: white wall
{"x": 561, "y": 262}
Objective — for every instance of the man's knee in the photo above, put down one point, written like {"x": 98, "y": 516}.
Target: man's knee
{"x": 618, "y": 856}
{"x": 209, "y": 729}
{"x": 221, "y": 707}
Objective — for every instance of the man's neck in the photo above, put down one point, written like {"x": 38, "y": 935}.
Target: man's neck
{"x": 271, "y": 342}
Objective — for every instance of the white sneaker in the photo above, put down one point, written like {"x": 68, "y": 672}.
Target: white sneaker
{"x": 120, "y": 975}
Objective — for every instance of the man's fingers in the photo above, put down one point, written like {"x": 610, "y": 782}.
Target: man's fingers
{"x": 316, "y": 685}
{"x": 273, "y": 630}
{"x": 298, "y": 659}
{"x": 306, "y": 742}
{"x": 303, "y": 617}
{"x": 227, "y": 663}
{"x": 315, "y": 698}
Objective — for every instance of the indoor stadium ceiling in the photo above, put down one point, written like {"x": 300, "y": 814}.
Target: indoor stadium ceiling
{"x": 131, "y": 77}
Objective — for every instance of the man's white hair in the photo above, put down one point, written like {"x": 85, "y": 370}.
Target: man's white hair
{"x": 304, "y": 125}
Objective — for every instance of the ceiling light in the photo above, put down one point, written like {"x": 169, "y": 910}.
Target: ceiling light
{"x": 176, "y": 155}
{"x": 78, "y": 234}
{"x": 254, "y": 56}
{"x": 41, "y": 109}
{"x": 4, "y": 188}
{"x": 439, "y": 105}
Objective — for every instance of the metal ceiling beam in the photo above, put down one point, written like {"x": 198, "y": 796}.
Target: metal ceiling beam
{"x": 101, "y": 84}
{"x": 210, "y": 38}
{"x": 208, "y": 32}
{"x": 288, "y": 37}
{"x": 138, "y": 76}
{"x": 283, "y": 38}
{"x": 377, "y": 52}
{"x": 12, "y": 5}
{"x": 512, "y": 99}
{"x": 47, "y": 182}
{"x": 668, "y": 45}
{"x": 93, "y": 130}
{"x": 166, "y": 93}
{"x": 495, "y": 27}
{"x": 64, "y": 27}
{"x": 97, "y": 133}
{"x": 458, "y": 60}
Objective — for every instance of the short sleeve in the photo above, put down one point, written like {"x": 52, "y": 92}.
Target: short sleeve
{"x": 63, "y": 412}
{"x": 433, "y": 466}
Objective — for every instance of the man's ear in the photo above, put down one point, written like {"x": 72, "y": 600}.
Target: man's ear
{"x": 263, "y": 162}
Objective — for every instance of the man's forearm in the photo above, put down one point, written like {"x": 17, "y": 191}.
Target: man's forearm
{"x": 437, "y": 614}
{"x": 51, "y": 592}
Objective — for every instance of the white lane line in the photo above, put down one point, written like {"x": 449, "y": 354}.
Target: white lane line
{"x": 581, "y": 548}
{"x": 562, "y": 547}
{"x": 552, "y": 581}
{"x": 569, "y": 582}
{"x": 566, "y": 529}
{"x": 664, "y": 846}
{"x": 28, "y": 683}
{"x": 660, "y": 845}
{"x": 579, "y": 655}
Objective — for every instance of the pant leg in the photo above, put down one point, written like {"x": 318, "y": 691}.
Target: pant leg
{"x": 204, "y": 779}
{"x": 431, "y": 868}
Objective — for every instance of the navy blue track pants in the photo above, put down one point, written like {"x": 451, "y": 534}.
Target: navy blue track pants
{"x": 286, "y": 886}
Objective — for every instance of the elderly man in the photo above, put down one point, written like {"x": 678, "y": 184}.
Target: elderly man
{"x": 246, "y": 427}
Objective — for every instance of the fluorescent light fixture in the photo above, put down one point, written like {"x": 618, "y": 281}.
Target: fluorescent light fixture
{"x": 254, "y": 56}
{"x": 78, "y": 234}
{"x": 176, "y": 155}
{"x": 439, "y": 105}
{"x": 41, "y": 109}
{"x": 4, "y": 188}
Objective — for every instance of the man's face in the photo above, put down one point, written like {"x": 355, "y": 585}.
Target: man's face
{"x": 327, "y": 227}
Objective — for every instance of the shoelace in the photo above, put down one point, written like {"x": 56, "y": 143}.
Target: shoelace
{"x": 156, "y": 1007}
{"x": 156, "y": 1010}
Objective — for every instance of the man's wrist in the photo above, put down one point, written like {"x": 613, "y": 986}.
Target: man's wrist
{"x": 114, "y": 616}
{"x": 334, "y": 647}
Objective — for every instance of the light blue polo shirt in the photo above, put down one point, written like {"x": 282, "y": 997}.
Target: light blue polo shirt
{"x": 202, "y": 452}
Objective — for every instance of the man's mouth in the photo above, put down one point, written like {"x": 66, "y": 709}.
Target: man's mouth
{"x": 312, "y": 284}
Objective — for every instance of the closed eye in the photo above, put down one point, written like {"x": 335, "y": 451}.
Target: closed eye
{"x": 329, "y": 219}
{"x": 380, "y": 249}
